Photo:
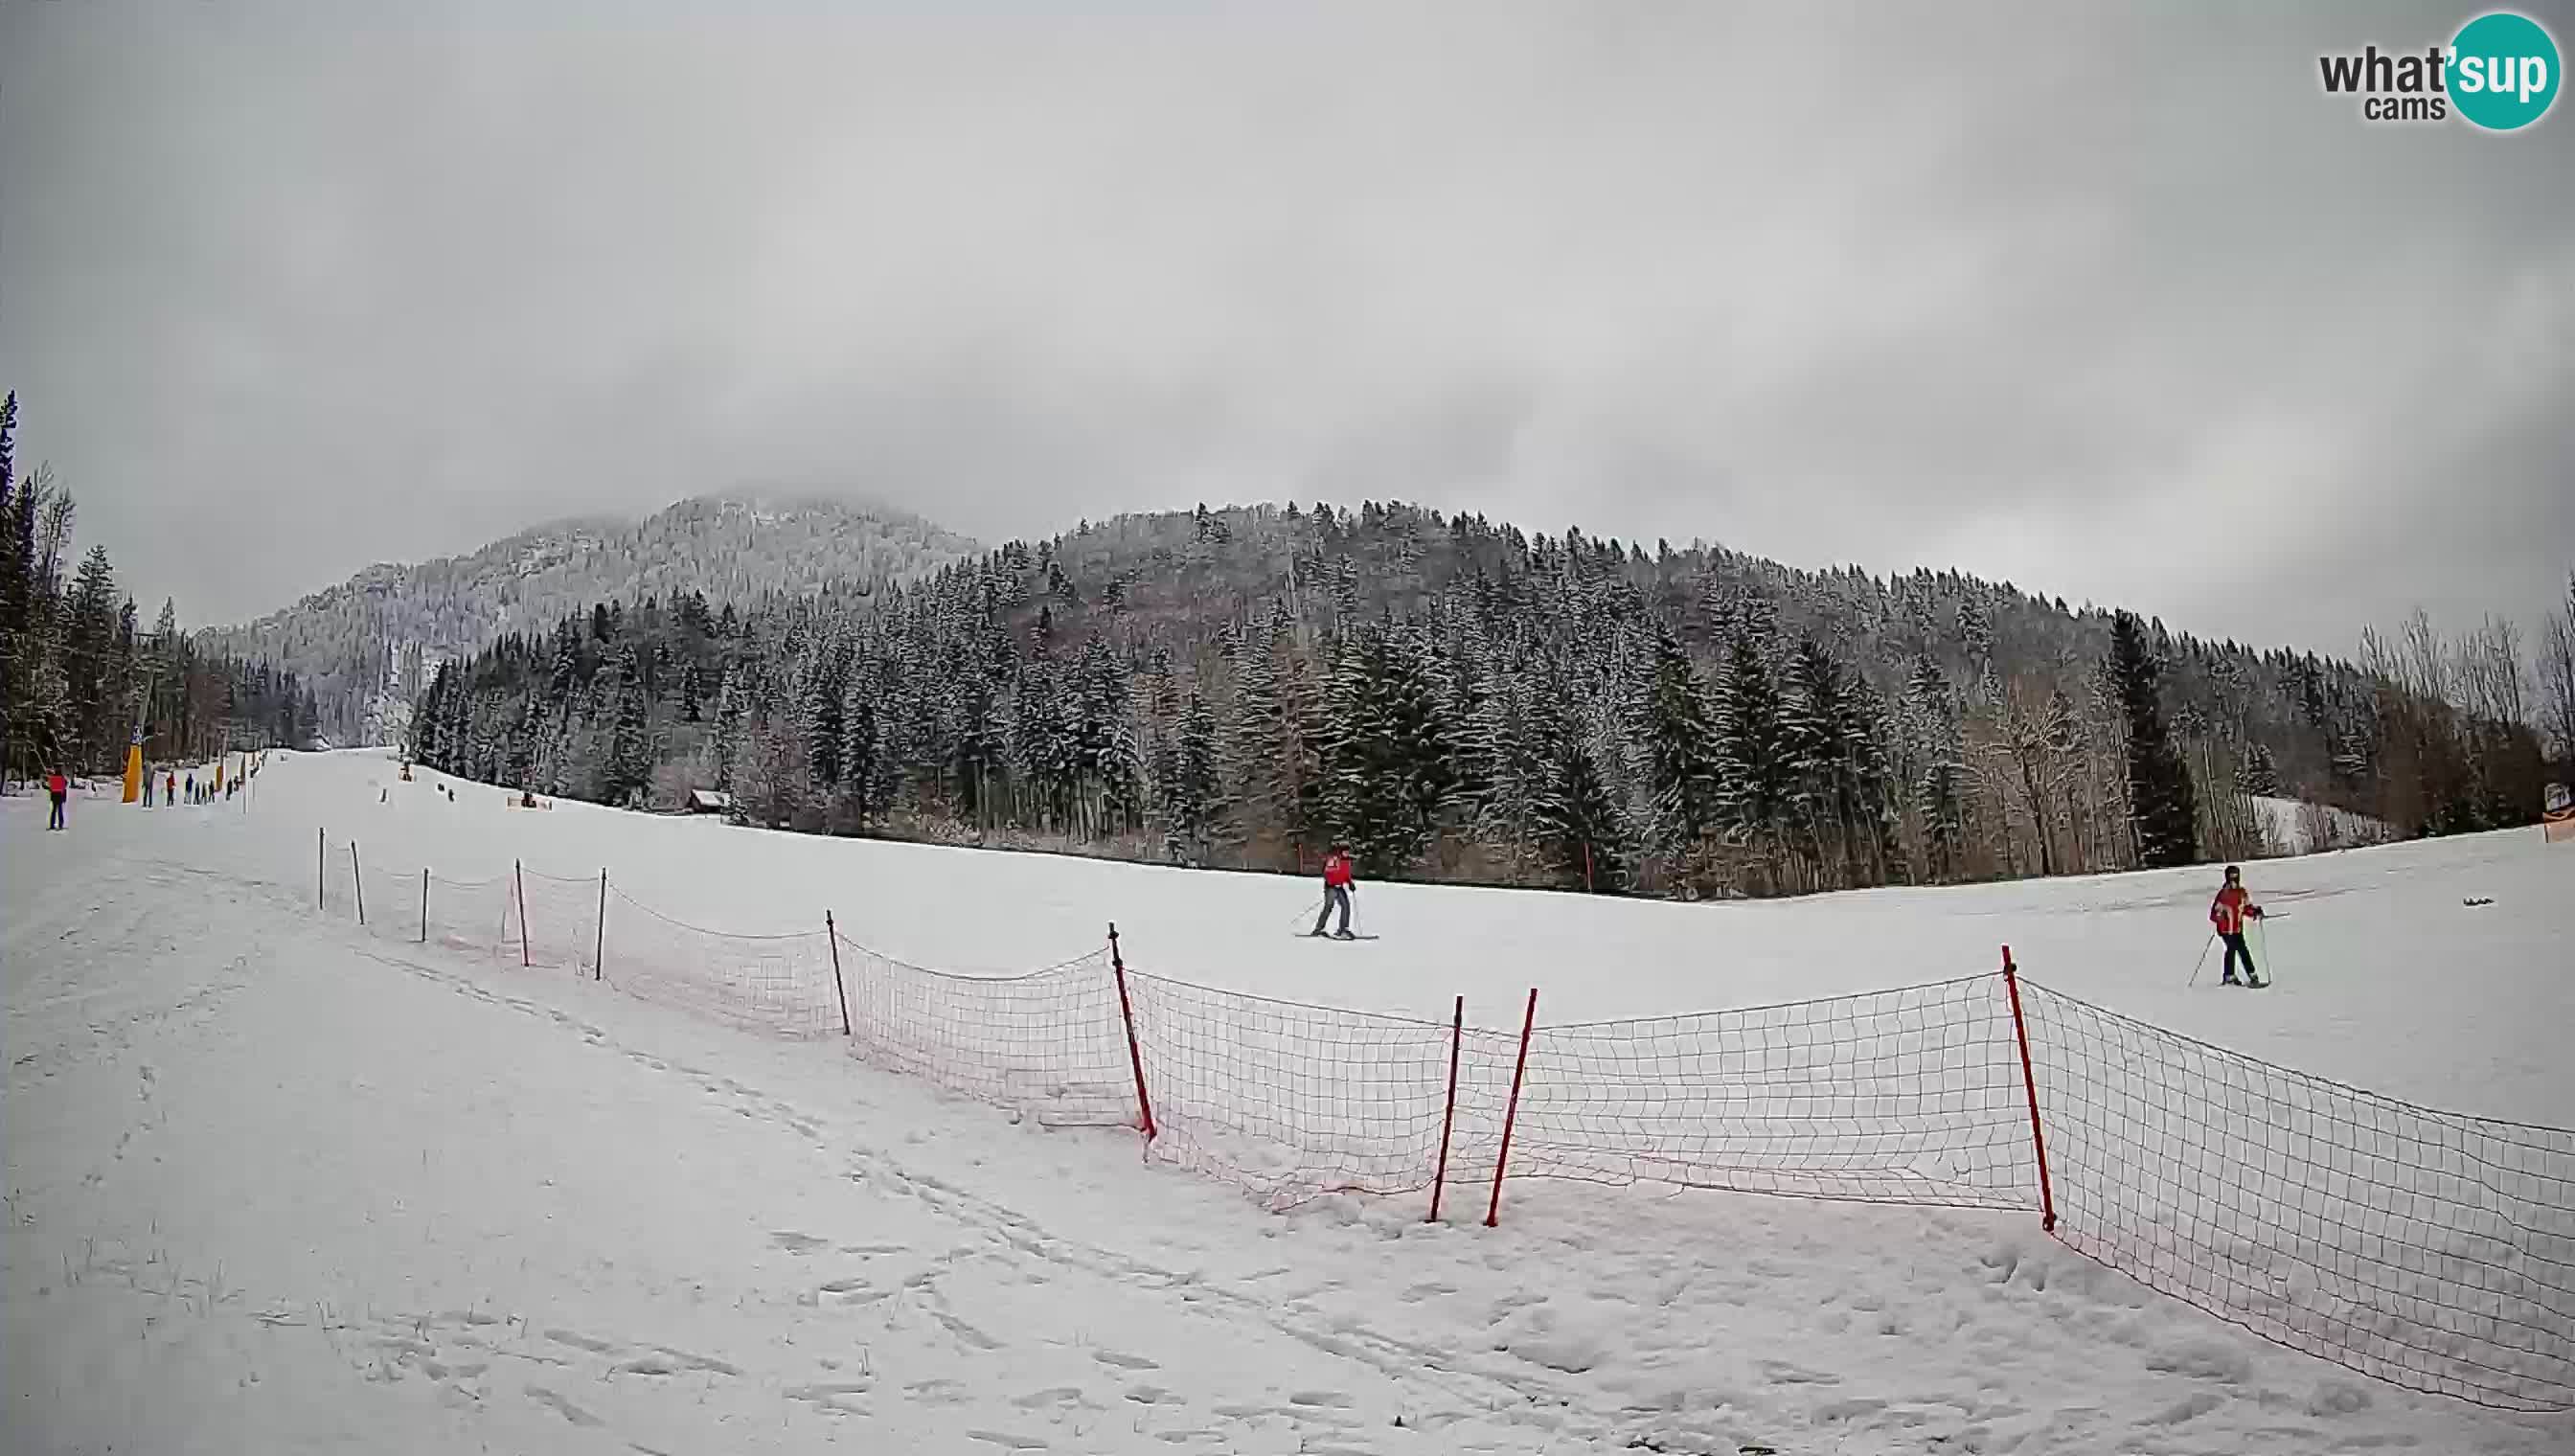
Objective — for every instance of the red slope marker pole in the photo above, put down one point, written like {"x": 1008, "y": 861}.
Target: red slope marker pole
{"x": 1135, "y": 1049}
{"x": 1449, "y": 1119}
{"x": 2029, "y": 1084}
{"x": 1512, "y": 1113}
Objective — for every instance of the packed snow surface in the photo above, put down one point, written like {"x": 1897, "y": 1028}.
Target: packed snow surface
{"x": 273, "y": 1185}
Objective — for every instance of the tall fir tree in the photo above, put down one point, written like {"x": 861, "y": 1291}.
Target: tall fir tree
{"x": 1677, "y": 736}
{"x": 2159, "y": 787}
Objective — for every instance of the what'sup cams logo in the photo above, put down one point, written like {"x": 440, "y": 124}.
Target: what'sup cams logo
{"x": 2500, "y": 73}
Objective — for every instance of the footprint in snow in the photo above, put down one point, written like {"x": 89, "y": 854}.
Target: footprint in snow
{"x": 561, "y": 1406}
{"x": 965, "y": 1334}
{"x": 1332, "y": 1399}
{"x": 1060, "y": 1396}
{"x": 707, "y": 1363}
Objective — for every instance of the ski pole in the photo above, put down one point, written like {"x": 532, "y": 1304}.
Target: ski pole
{"x": 2203, "y": 957}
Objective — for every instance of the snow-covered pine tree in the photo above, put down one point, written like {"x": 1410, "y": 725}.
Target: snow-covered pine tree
{"x": 2159, "y": 787}
{"x": 726, "y": 747}
{"x": 1752, "y": 746}
{"x": 428, "y": 743}
{"x": 864, "y": 747}
{"x": 2260, "y": 772}
{"x": 630, "y": 756}
{"x": 821, "y": 692}
{"x": 1576, "y": 824}
{"x": 1363, "y": 761}
{"x": 1677, "y": 738}
{"x": 89, "y": 643}
{"x": 1195, "y": 792}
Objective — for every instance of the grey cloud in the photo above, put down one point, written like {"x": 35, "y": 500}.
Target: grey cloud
{"x": 2116, "y": 306}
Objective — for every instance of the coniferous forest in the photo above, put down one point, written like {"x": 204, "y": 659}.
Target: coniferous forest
{"x": 76, "y": 670}
{"x": 1456, "y": 699}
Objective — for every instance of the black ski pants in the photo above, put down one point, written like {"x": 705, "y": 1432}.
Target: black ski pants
{"x": 2235, "y": 948}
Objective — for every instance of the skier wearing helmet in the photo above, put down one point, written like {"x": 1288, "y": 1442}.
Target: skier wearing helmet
{"x": 2228, "y": 913}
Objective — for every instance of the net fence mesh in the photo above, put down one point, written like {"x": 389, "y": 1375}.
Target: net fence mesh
{"x": 2432, "y": 1250}
{"x": 1902, "y": 1096}
{"x": 1293, "y": 1101}
{"x": 1051, "y": 1043}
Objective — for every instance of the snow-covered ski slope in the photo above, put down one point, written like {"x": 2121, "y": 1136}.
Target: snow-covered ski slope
{"x": 2392, "y": 983}
{"x": 276, "y": 1183}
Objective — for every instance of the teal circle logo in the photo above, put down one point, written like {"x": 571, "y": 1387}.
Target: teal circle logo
{"x": 2503, "y": 71}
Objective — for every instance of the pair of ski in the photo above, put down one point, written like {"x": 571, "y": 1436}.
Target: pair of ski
{"x": 1323, "y": 936}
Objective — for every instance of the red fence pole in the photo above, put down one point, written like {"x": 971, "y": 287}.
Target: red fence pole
{"x": 2029, "y": 1084}
{"x": 357, "y": 882}
{"x": 598, "y": 948}
{"x": 424, "y": 905}
{"x": 1512, "y": 1113}
{"x": 1447, "y": 1120}
{"x": 519, "y": 877}
{"x": 1134, "y": 1050}
{"x": 831, "y": 933}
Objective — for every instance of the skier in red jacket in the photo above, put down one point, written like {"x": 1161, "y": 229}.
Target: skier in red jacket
{"x": 1337, "y": 891}
{"x": 60, "y": 789}
{"x": 2228, "y": 913}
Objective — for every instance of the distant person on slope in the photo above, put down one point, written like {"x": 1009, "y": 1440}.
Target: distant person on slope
{"x": 1337, "y": 891}
{"x": 60, "y": 789}
{"x": 170, "y": 788}
{"x": 2228, "y": 913}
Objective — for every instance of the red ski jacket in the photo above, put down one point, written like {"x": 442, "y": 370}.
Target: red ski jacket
{"x": 55, "y": 785}
{"x": 1337, "y": 869}
{"x": 2228, "y": 910}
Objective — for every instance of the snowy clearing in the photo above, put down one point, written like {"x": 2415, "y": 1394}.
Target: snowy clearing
{"x": 275, "y": 1182}
{"x": 2296, "y": 826}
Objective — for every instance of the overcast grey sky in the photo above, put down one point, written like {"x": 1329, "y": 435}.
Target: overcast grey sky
{"x": 2117, "y": 306}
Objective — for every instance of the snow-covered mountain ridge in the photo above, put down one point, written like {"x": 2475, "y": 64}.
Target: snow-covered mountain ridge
{"x": 366, "y": 644}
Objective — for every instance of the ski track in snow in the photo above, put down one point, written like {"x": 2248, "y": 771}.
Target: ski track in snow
{"x": 272, "y": 1186}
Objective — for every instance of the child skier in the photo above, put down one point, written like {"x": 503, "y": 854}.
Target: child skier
{"x": 2228, "y": 913}
{"x": 1337, "y": 891}
{"x": 60, "y": 789}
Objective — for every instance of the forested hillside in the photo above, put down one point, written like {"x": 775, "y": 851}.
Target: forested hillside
{"x": 366, "y": 644}
{"x": 1459, "y": 700}
{"x": 76, "y": 673}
